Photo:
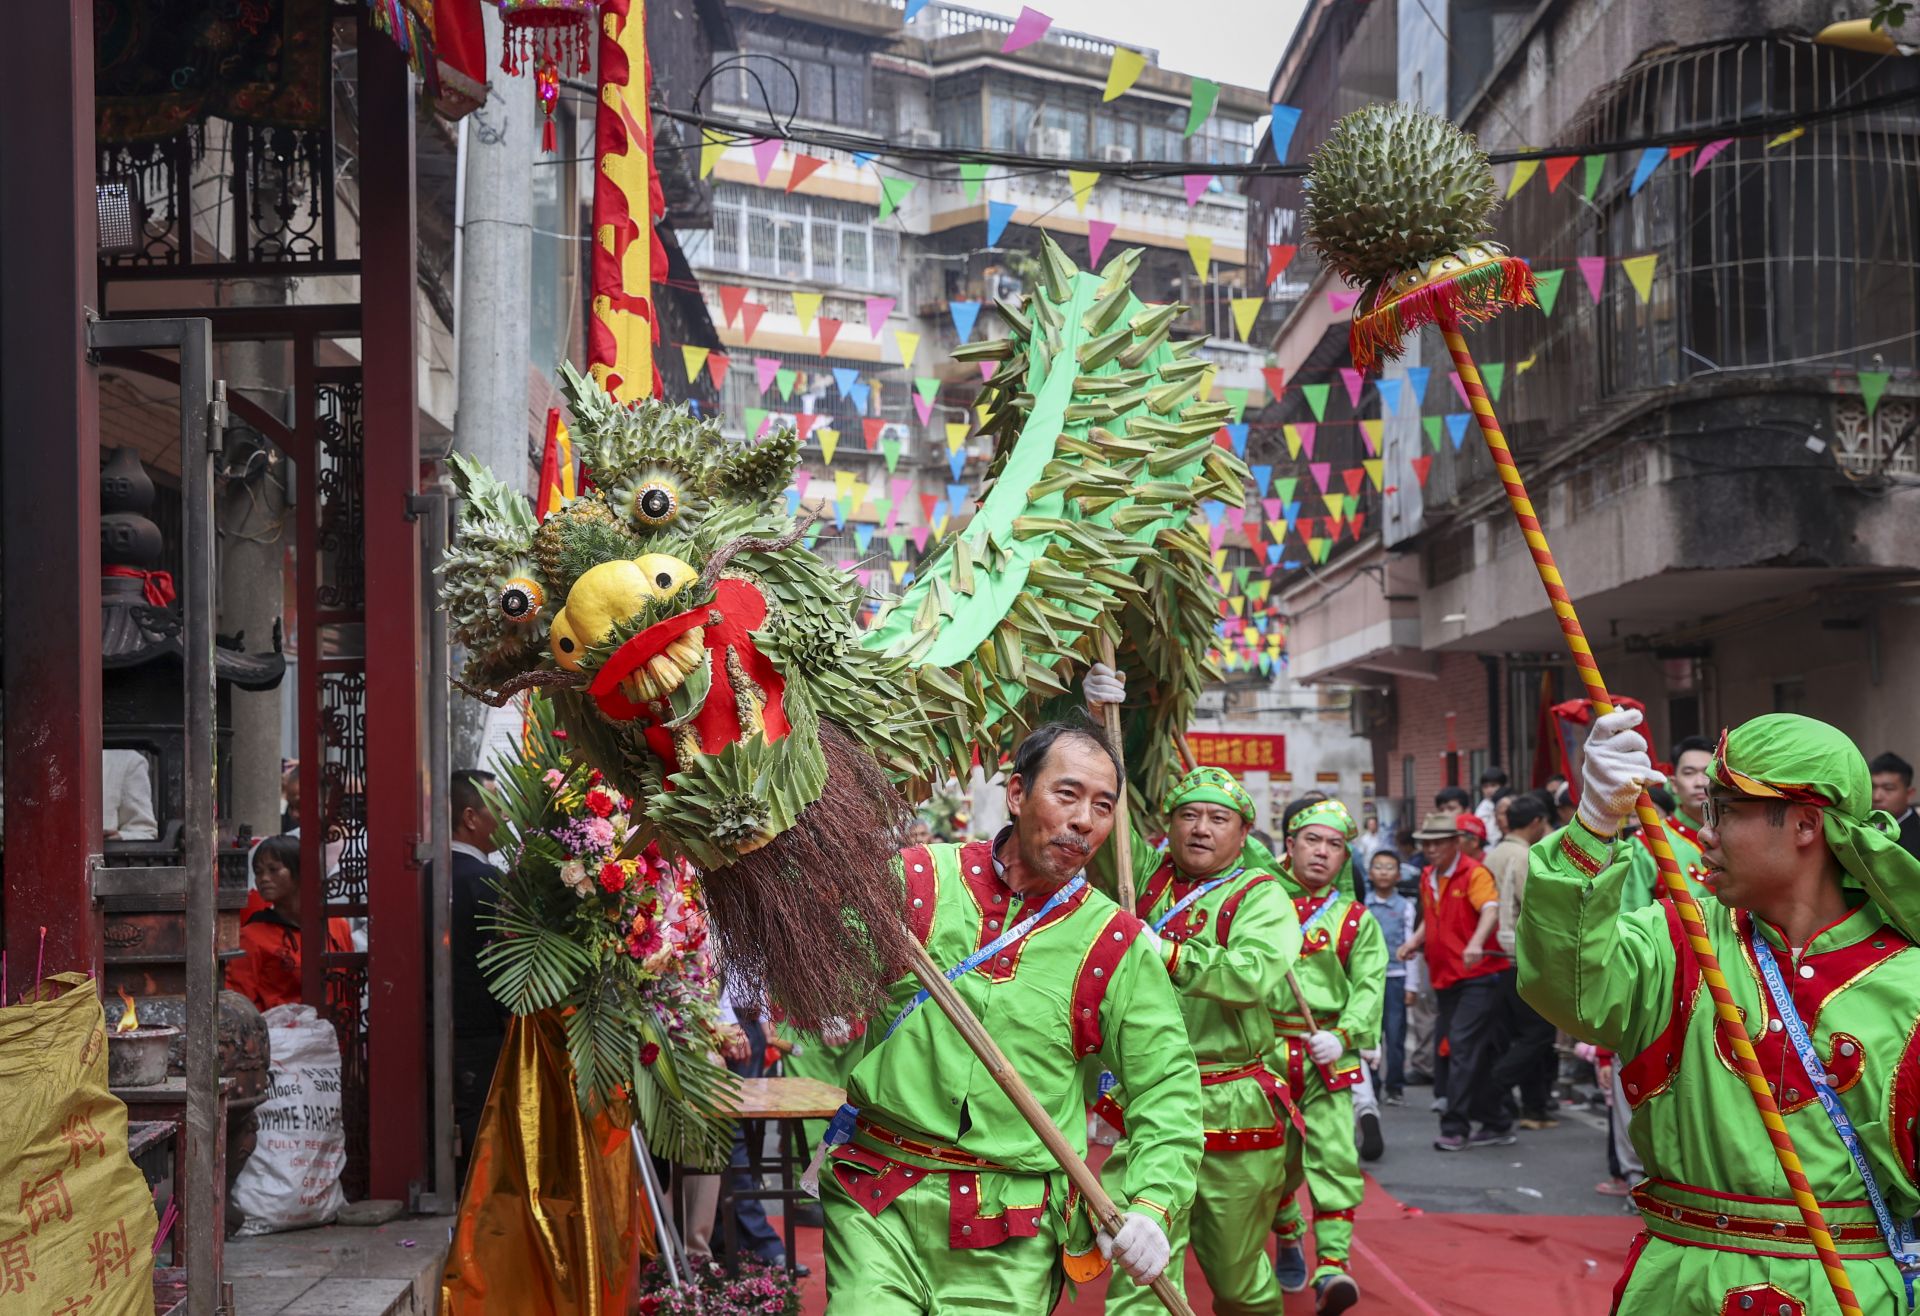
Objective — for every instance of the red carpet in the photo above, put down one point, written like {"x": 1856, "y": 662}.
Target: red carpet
{"x": 1407, "y": 1261}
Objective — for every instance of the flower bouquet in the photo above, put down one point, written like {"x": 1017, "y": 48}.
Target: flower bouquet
{"x": 613, "y": 935}
{"x": 752, "y": 1290}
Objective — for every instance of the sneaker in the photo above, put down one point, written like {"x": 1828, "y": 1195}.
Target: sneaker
{"x": 1371, "y": 1143}
{"x": 1438, "y": 1105}
{"x": 1451, "y": 1142}
{"x": 1395, "y": 1099}
{"x": 1334, "y": 1293}
{"x": 1491, "y": 1138}
{"x": 1290, "y": 1267}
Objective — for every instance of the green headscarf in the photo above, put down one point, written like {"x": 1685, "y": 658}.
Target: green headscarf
{"x": 1788, "y": 757}
{"x": 1325, "y": 813}
{"x": 1210, "y": 786}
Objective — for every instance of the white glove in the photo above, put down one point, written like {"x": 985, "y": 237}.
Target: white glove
{"x": 835, "y": 1031}
{"x": 1140, "y": 1248}
{"x": 1104, "y": 686}
{"x": 1617, "y": 766}
{"x": 1155, "y": 942}
{"x": 1325, "y": 1047}
{"x": 1372, "y": 1058}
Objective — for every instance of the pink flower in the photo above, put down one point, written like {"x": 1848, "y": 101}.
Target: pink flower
{"x": 554, "y": 778}
{"x": 599, "y": 832}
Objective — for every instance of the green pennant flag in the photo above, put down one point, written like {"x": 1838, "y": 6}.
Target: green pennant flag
{"x": 1494, "y": 374}
{"x": 1546, "y": 288}
{"x": 971, "y": 177}
{"x": 890, "y": 449}
{"x": 1205, "y": 93}
{"x": 1431, "y": 424}
{"x": 1596, "y": 164}
{"x": 1237, "y": 399}
{"x": 1872, "y": 384}
{"x": 926, "y": 387}
{"x": 1240, "y": 575}
{"x": 897, "y": 545}
{"x": 754, "y": 418}
{"x": 892, "y": 192}
{"x": 784, "y": 378}
{"x": 1316, "y": 395}
{"x": 1283, "y": 487}
{"x": 881, "y": 507}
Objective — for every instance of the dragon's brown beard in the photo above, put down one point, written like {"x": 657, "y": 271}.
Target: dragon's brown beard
{"x": 814, "y": 917}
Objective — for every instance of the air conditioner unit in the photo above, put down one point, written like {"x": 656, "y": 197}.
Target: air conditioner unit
{"x": 923, "y": 137}
{"x": 1053, "y": 142}
{"x": 1114, "y": 153}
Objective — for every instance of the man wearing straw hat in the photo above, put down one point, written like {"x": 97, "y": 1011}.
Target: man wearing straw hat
{"x": 1817, "y": 914}
{"x": 1228, "y": 935}
{"x": 1323, "y": 1016}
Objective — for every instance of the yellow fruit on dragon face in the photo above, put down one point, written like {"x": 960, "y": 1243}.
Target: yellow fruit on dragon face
{"x": 608, "y": 594}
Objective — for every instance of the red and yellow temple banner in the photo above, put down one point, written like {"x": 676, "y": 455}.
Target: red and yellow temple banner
{"x": 1243, "y": 753}
{"x": 626, "y": 199}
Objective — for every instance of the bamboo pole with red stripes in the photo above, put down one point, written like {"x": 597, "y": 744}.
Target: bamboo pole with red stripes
{"x": 1726, "y": 1013}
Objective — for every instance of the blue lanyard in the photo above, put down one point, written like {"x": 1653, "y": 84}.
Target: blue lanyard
{"x": 1192, "y": 896}
{"x": 1333, "y": 898}
{"x": 994, "y": 947}
{"x": 1899, "y": 1239}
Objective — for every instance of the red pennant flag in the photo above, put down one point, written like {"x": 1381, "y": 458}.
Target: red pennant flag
{"x": 731, "y": 299}
{"x": 1353, "y": 477}
{"x": 750, "y": 315}
{"x": 717, "y": 365}
{"x": 803, "y": 167}
{"x": 870, "y": 428}
{"x": 1682, "y": 151}
{"x": 1252, "y": 529}
{"x": 1355, "y": 521}
{"x": 1421, "y": 465}
{"x": 803, "y": 422}
{"x": 1557, "y": 169}
{"x": 1276, "y": 380}
{"x": 926, "y": 508}
{"x": 1279, "y": 256}
{"x": 829, "y": 330}
{"x": 1222, "y": 439}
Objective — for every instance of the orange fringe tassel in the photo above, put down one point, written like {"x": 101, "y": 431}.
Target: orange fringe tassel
{"x": 1471, "y": 297}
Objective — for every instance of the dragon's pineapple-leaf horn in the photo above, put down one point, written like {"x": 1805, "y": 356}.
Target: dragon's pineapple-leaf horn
{"x": 1399, "y": 202}
{"x": 1104, "y": 453}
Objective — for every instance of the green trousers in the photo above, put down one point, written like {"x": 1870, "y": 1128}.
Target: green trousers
{"x": 900, "y": 1262}
{"x": 1235, "y": 1195}
{"x": 1329, "y": 1166}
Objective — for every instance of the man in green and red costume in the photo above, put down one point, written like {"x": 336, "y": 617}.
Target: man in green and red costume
{"x": 945, "y": 1200}
{"x": 1342, "y": 979}
{"x": 1228, "y": 934}
{"x": 1814, "y": 926}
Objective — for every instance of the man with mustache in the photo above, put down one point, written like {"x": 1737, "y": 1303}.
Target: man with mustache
{"x": 1342, "y": 978}
{"x": 941, "y": 1197}
{"x": 1818, "y": 908}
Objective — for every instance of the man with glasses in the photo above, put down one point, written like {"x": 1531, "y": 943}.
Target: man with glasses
{"x": 1817, "y": 914}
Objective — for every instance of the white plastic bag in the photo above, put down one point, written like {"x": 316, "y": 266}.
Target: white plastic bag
{"x": 292, "y": 1180}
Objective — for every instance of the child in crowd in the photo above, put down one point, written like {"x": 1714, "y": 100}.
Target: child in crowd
{"x": 1394, "y": 912}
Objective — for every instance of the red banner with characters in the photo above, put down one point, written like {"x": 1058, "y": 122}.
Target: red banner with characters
{"x": 1239, "y": 753}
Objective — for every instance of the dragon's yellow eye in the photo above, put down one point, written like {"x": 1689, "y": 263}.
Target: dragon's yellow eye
{"x": 655, "y": 503}
{"x": 521, "y": 600}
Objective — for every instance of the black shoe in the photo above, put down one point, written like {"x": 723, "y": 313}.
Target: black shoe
{"x": 1371, "y": 1143}
{"x": 1493, "y": 1138}
{"x": 801, "y": 1270}
{"x": 1334, "y": 1293}
{"x": 808, "y": 1215}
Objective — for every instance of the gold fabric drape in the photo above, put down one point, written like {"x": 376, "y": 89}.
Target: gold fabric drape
{"x": 553, "y": 1218}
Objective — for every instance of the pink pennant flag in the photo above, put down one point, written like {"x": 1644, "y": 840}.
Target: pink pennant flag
{"x": 1237, "y": 517}
{"x": 1459, "y": 388}
{"x": 878, "y": 309}
{"x": 924, "y": 409}
{"x": 919, "y": 536}
{"x": 1027, "y": 29}
{"x": 1273, "y": 508}
{"x": 801, "y": 478}
{"x": 764, "y": 369}
{"x": 898, "y": 487}
{"x": 862, "y": 574}
{"x": 1707, "y": 153}
{"x": 1196, "y": 185}
{"x": 1354, "y": 381}
{"x": 986, "y": 369}
{"x": 1217, "y": 535}
{"x": 1098, "y": 231}
{"x": 1306, "y": 430}
{"x": 1322, "y": 472}
{"x": 1341, "y": 299}
{"x": 766, "y": 423}
{"x": 1594, "y": 270}
{"x": 893, "y": 513}
{"x": 765, "y": 151}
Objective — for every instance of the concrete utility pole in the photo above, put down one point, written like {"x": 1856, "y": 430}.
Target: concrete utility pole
{"x": 491, "y": 312}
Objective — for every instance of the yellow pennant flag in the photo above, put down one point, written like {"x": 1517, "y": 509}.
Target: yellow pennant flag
{"x": 1219, "y": 558}
{"x": 713, "y": 145}
{"x": 898, "y": 566}
{"x": 842, "y": 480}
{"x": 908, "y": 344}
{"x": 1245, "y": 311}
{"x": 1257, "y": 590}
{"x": 1238, "y": 603}
{"x": 1223, "y": 581}
{"x": 1373, "y": 430}
{"x": 1293, "y": 440}
{"x": 829, "y": 440}
{"x": 1521, "y": 367}
{"x": 1317, "y": 549}
{"x": 806, "y": 305}
{"x": 1640, "y": 271}
{"x": 1082, "y": 181}
{"x": 1790, "y": 135}
{"x": 956, "y": 435}
{"x": 1376, "y": 469}
{"x": 1522, "y": 171}
{"x": 1124, "y": 72}
{"x": 1337, "y": 505}
{"x": 1201, "y": 249}
{"x": 696, "y": 359}
{"x": 981, "y": 412}
{"x": 860, "y": 490}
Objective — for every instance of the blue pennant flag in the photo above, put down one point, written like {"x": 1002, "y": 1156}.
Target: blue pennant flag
{"x": 1290, "y": 564}
{"x": 998, "y": 213}
{"x": 793, "y": 502}
{"x": 1389, "y": 395}
{"x": 1266, "y": 664}
{"x": 861, "y": 392}
{"x": 957, "y": 460}
{"x": 840, "y": 510}
{"x": 1649, "y": 161}
{"x": 964, "y": 314}
{"x": 1273, "y": 553}
{"x": 862, "y": 536}
{"x": 862, "y": 159}
{"x": 1417, "y": 383}
{"x": 844, "y": 378}
{"x": 939, "y": 510}
{"x": 1237, "y": 434}
{"x": 1457, "y": 427}
{"x": 1262, "y": 477}
{"x": 1214, "y": 508}
{"x": 1293, "y": 514}
{"x": 956, "y": 496}
{"x": 1285, "y": 119}
{"x": 914, "y": 7}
